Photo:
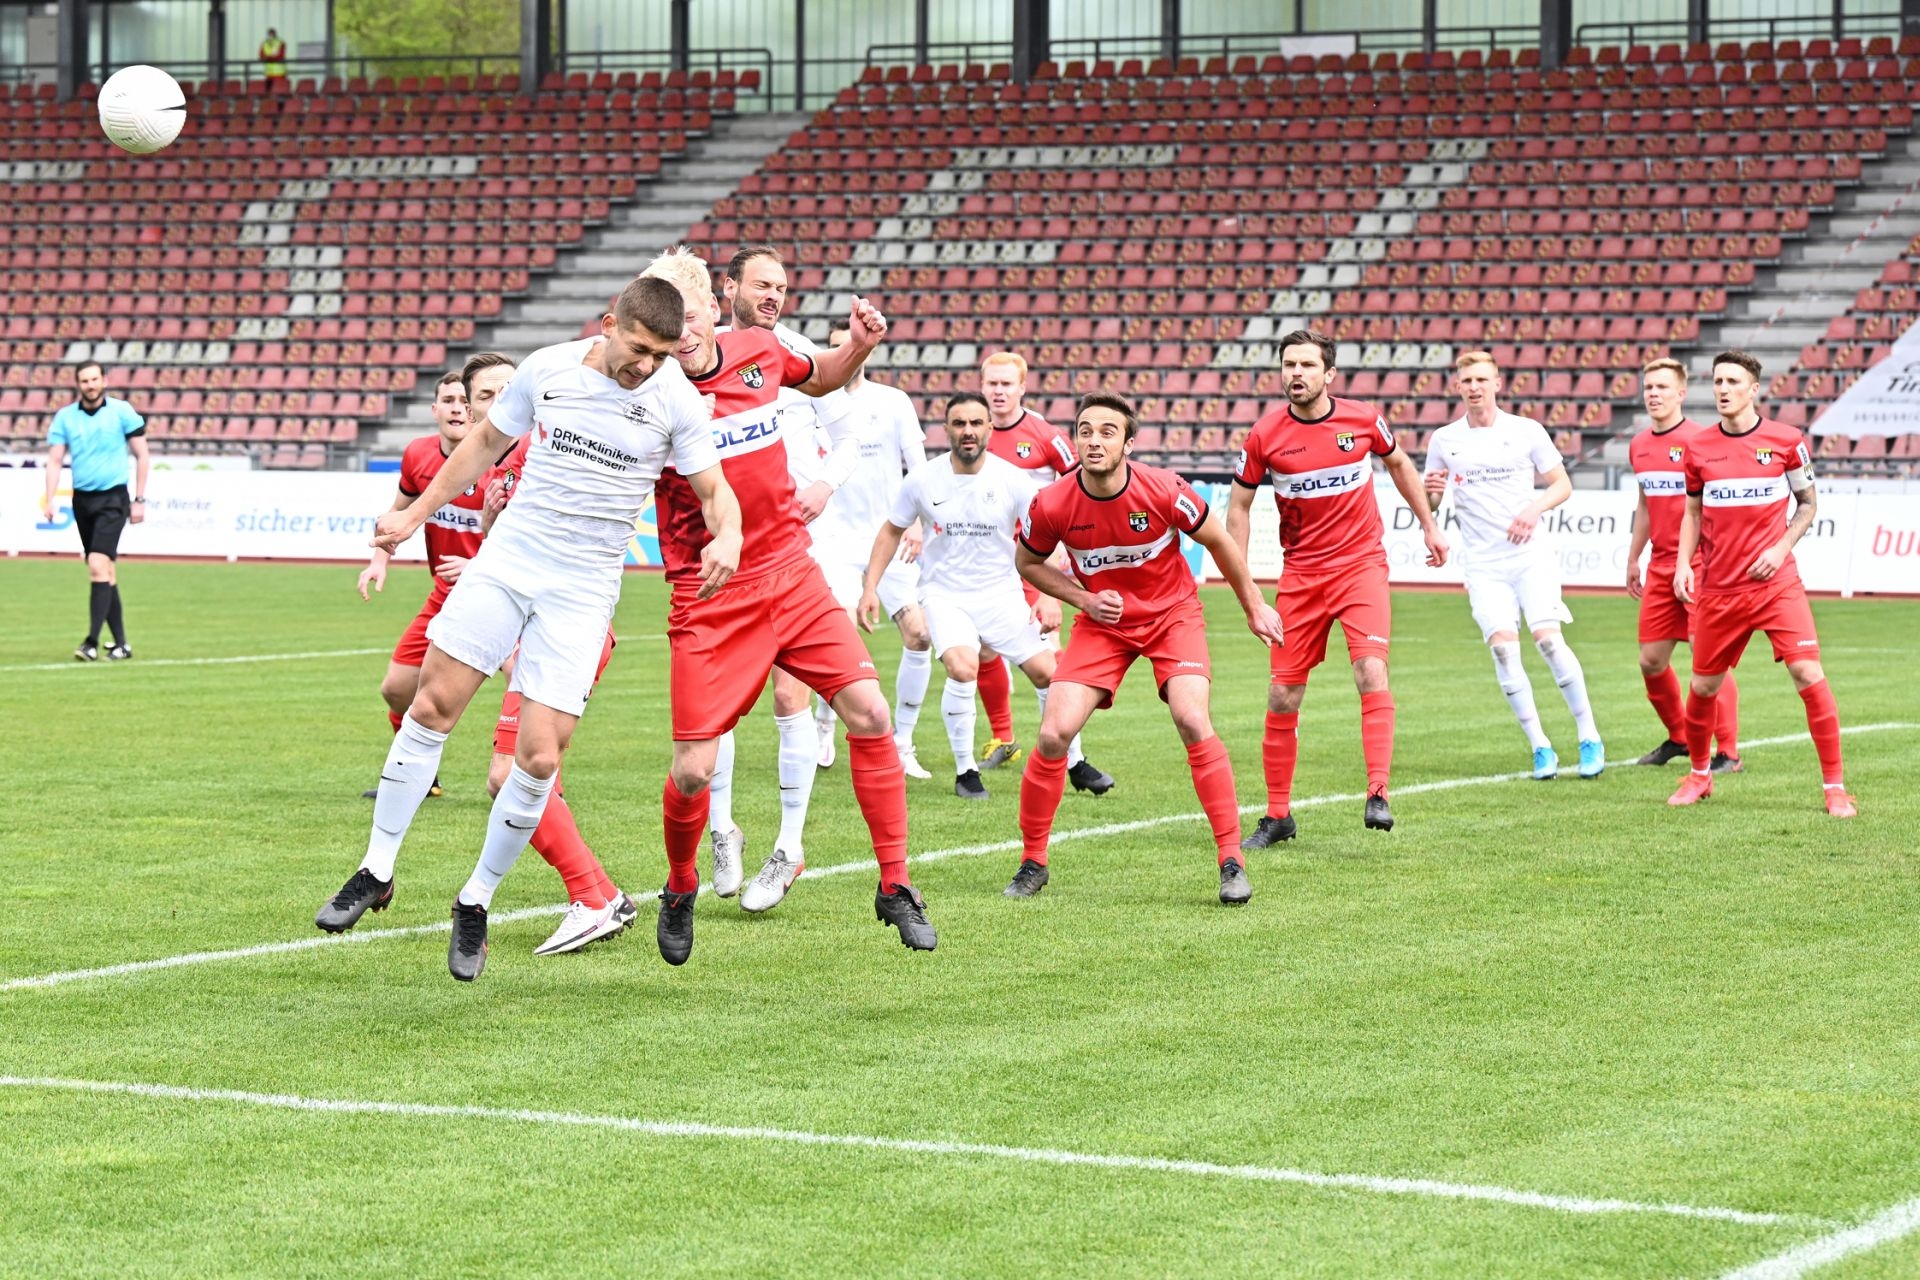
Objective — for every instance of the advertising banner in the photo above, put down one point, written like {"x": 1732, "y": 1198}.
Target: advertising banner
{"x": 1886, "y": 399}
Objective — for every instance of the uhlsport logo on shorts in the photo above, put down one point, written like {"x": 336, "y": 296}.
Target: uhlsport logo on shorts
{"x": 1137, "y": 521}
{"x": 1675, "y": 453}
{"x": 1345, "y": 440}
{"x": 752, "y": 376}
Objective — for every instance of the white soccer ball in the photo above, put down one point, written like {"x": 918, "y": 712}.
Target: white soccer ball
{"x": 142, "y": 109}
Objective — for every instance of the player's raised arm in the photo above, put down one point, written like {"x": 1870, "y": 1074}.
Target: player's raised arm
{"x": 463, "y": 468}
{"x": 720, "y": 508}
{"x": 1262, "y": 620}
{"x": 833, "y": 369}
{"x": 1413, "y": 491}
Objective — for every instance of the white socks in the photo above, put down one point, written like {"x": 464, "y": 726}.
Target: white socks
{"x": 720, "y": 790}
{"x": 516, "y": 812}
{"x": 1519, "y": 691}
{"x": 1074, "y": 754}
{"x": 909, "y": 691}
{"x": 1573, "y": 684}
{"x": 956, "y": 707}
{"x": 412, "y": 762}
{"x": 799, "y": 761}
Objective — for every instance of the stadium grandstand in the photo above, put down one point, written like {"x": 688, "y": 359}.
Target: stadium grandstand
{"x": 1140, "y": 210}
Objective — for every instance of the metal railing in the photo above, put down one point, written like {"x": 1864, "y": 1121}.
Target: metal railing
{"x": 1836, "y": 26}
{"x": 248, "y": 71}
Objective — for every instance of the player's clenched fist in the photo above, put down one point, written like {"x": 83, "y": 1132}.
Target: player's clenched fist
{"x": 394, "y": 528}
{"x": 1106, "y": 607}
{"x": 866, "y": 326}
{"x": 1436, "y": 483}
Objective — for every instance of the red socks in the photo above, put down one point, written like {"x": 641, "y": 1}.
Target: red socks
{"x": 1726, "y": 725}
{"x": 1213, "y": 783}
{"x": 1040, "y": 790}
{"x": 1376, "y": 739}
{"x": 1663, "y": 691}
{"x": 685, "y": 821}
{"x": 880, "y": 788}
{"x": 394, "y": 718}
{"x": 1823, "y": 722}
{"x": 996, "y": 695}
{"x": 558, "y": 840}
{"x": 1701, "y": 713}
{"x": 1280, "y": 751}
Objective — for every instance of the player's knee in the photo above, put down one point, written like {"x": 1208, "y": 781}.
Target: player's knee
{"x": 1547, "y": 642}
{"x": 788, "y": 701}
{"x": 99, "y": 569}
{"x": 960, "y": 666}
{"x": 690, "y": 777}
{"x": 1193, "y": 724}
{"x": 497, "y": 773}
{"x": 1285, "y": 699}
{"x": 398, "y": 692}
{"x": 913, "y": 632}
{"x": 1652, "y": 664}
{"x": 1806, "y": 674}
{"x": 1370, "y": 675}
{"x": 1051, "y": 742}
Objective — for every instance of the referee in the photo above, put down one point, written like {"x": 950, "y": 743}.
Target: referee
{"x": 95, "y": 436}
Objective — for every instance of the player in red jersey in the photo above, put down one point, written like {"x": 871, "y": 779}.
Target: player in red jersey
{"x": 452, "y": 535}
{"x": 1319, "y": 451}
{"x": 1738, "y": 479}
{"x": 777, "y": 608}
{"x": 1120, "y": 523}
{"x": 1658, "y": 457}
{"x": 1028, "y": 441}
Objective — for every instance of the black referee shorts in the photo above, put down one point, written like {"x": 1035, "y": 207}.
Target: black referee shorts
{"x": 102, "y": 517}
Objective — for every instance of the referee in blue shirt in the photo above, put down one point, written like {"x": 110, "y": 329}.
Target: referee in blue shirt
{"x": 100, "y": 437}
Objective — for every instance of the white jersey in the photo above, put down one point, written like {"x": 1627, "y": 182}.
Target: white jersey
{"x": 1492, "y": 474}
{"x": 968, "y": 521}
{"x": 597, "y": 450}
{"x": 890, "y": 442}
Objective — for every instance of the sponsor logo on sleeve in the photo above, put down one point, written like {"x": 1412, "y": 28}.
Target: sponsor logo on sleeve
{"x": 752, "y": 376}
{"x": 1186, "y": 507}
{"x": 1137, "y": 521}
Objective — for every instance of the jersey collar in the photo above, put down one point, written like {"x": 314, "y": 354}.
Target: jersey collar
{"x": 1081, "y": 480}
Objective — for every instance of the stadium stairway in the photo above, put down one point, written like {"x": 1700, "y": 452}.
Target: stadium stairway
{"x": 607, "y": 257}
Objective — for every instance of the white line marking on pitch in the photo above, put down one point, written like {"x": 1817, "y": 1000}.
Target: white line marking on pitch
{"x": 1882, "y": 1228}
{"x": 142, "y": 663}
{"x": 65, "y": 976}
{"x": 914, "y": 1146}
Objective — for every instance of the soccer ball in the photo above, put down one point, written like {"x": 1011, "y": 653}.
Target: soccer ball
{"x": 142, "y": 109}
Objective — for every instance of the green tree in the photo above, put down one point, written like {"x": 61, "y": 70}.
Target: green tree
{"x": 428, "y": 32}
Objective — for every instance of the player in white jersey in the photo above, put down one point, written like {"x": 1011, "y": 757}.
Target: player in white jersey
{"x": 1494, "y": 461}
{"x": 969, "y": 503}
{"x": 606, "y": 416}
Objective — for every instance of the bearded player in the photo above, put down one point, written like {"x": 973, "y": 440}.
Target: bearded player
{"x": 1739, "y": 476}
{"x": 1319, "y": 451}
{"x": 777, "y": 610}
{"x": 1658, "y": 456}
{"x": 1121, "y": 524}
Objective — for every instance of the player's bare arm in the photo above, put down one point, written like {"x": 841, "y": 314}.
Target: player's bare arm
{"x": 720, "y": 508}
{"x": 1559, "y": 489}
{"x": 1240, "y": 517}
{"x": 885, "y": 544}
{"x": 1406, "y": 478}
{"x": 469, "y": 461}
{"x": 1689, "y": 543}
{"x": 1262, "y": 619}
{"x": 1038, "y": 573}
{"x": 137, "y": 445}
{"x": 56, "y": 459}
{"x": 1642, "y": 533}
{"x": 1806, "y": 508}
{"x": 833, "y": 369}
{"x": 375, "y": 574}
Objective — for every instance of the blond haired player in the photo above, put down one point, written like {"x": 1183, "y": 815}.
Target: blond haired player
{"x": 1658, "y": 457}
{"x": 1492, "y": 461}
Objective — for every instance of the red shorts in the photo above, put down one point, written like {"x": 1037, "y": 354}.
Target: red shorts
{"x": 1663, "y": 615}
{"x": 1308, "y": 605}
{"x": 723, "y": 649}
{"x": 412, "y": 649}
{"x": 1723, "y": 623}
{"x": 1098, "y": 657}
{"x": 506, "y": 730}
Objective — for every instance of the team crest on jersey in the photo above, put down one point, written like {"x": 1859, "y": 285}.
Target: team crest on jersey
{"x": 1137, "y": 521}
{"x": 1023, "y": 449}
{"x": 1675, "y": 453}
{"x": 1345, "y": 440}
{"x": 511, "y": 479}
{"x": 752, "y": 376}
{"x": 470, "y": 491}
{"x": 1763, "y": 455}
{"x": 635, "y": 412}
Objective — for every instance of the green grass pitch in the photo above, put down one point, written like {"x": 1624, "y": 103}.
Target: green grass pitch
{"x": 1566, "y": 989}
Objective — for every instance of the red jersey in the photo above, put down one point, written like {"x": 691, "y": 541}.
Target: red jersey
{"x": 453, "y": 530}
{"x": 1745, "y": 483}
{"x": 1323, "y": 484}
{"x": 1128, "y": 543}
{"x": 1659, "y": 461}
{"x": 753, "y": 366}
{"x": 1033, "y": 444}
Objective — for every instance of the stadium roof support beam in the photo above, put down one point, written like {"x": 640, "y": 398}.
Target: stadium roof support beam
{"x": 217, "y": 39}
{"x": 1910, "y": 17}
{"x": 1170, "y": 30}
{"x": 923, "y": 29}
{"x": 1556, "y": 30}
{"x": 70, "y": 47}
{"x": 679, "y": 34}
{"x": 536, "y": 41}
{"x": 1032, "y": 37}
{"x": 1699, "y": 16}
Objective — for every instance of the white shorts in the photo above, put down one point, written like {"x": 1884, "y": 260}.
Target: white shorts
{"x": 1001, "y": 620}
{"x": 1501, "y": 593}
{"x": 899, "y": 585}
{"x": 558, "y": 620}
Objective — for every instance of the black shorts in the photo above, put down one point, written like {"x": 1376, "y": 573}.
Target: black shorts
{"x": 102, "y": 517}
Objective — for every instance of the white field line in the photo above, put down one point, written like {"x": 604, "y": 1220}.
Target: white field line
{"x": 141, "y": 663}
{"x": 1882, "y": 1228}
{"x": 920, "y": 1147}
{"x": 63, "y": 977}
